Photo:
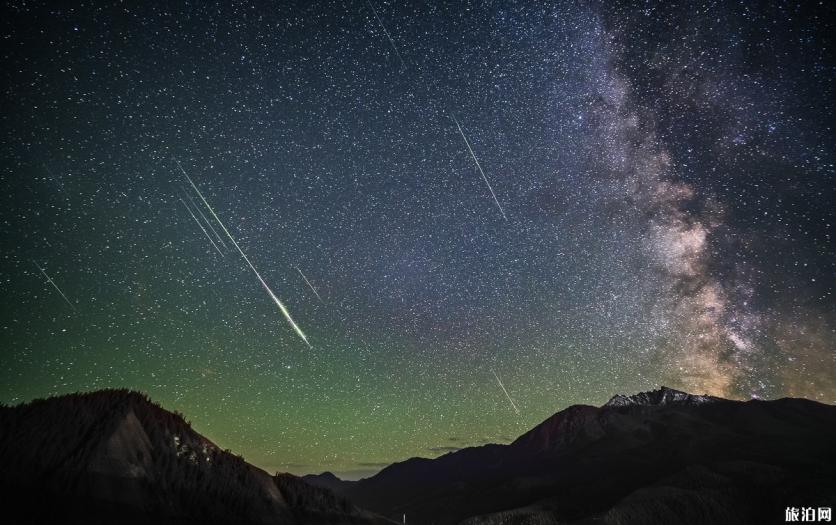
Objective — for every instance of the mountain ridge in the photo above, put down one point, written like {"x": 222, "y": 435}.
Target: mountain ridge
{"x": 664, "y": 395}
{"x": 662, "y": 456}
{"x": 115, "y": 455}
{"x": 633, "y": 459}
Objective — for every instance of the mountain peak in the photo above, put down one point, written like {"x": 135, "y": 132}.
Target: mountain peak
{"x": 662, "y": 396}
{"x": 116, "y": 453}
{"x": 324, "y": 477}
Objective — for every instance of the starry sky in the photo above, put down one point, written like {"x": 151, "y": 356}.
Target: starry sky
{"x": 652, "y": 204}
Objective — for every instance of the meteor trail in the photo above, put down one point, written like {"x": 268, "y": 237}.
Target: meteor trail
{"x": 50, "y": 281}
{"x": 208, "y": 223}
{"x": 201, "y": 226}
{"x": 506, "y": 392}
{"x": 403, "y": 64}
{"x": 310, "y": 285}
{"x": 480, "y": 167}
{"x": 258, "y": 275}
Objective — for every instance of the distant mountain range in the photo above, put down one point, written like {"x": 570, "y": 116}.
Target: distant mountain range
{"x": 657, "y": 457}
{"x": 664, "y": 456}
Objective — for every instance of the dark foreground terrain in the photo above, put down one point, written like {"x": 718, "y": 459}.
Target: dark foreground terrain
{"x": 113, "y": 456}
{"x": 657, "y": 457}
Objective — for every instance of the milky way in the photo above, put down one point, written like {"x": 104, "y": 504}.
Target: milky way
{"x": 643, "y": 196}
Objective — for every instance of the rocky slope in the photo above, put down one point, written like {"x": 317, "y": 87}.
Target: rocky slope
{"x": 115, "y": 457}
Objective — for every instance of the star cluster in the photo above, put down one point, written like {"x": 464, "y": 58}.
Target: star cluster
{"x": 652, "y": 204}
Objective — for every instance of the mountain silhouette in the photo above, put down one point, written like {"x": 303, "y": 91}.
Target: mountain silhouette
{"x": 657, "y": 457}
{"x": 665, "y": 456}
{"x": 113, "y": 456}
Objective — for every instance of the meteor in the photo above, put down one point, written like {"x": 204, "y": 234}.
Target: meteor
{"x": 506, "y": 392}
{"x": 310, "y": 285}
{"x": 275, "y": 299}
{"x": 50, "y": 281}
{"x": 488, "y": 184}
{"x": 201, "y": 226}
{"x": 208, "y": 223}
{"x": 403, "y": 64}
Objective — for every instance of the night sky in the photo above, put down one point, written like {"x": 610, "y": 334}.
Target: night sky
{"x": 652, "y": 204}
